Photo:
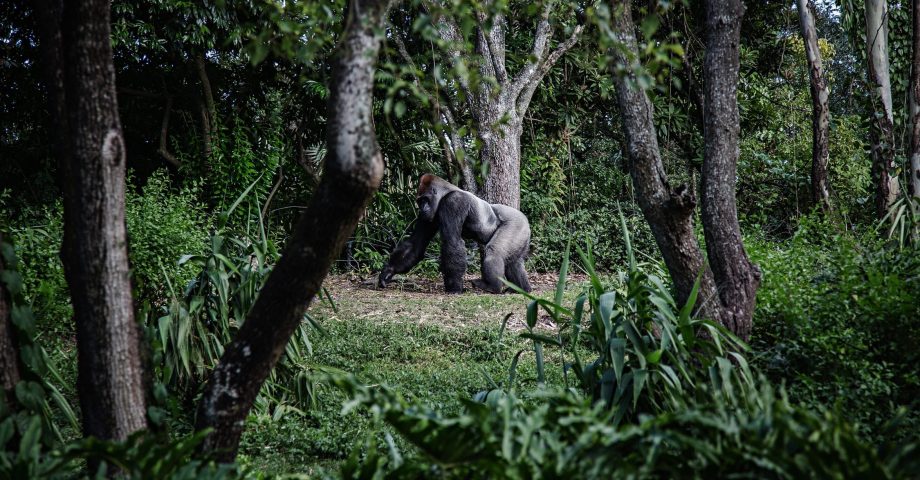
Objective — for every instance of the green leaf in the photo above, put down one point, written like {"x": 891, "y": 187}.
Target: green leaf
{"x": 258, "y": 50}
{"x": 618, "y": 356}
{"x": 639, "y": 377}
{"x": 536, "y": 337}
{"x": 532, "y": 314}
{"x": 30, "y": 395}
{"x": 649, "y": 25}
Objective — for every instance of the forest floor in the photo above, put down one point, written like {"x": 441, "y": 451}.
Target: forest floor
{"x": 412, "y": 336}
{"x": 422, "y": 300}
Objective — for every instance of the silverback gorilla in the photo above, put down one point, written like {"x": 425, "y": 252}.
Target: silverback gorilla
{"x": 458, "y": 215}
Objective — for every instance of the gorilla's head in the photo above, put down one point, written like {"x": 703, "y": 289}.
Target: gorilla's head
{"x": 426, "y": 204}
{"x": 431, "y": 189}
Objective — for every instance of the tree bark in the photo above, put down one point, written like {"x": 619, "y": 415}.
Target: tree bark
{"x": 669, "y": 211}
{"x": 9, "y": 355}
{"x": 914, "y": 182}
{"x": 498, "y": 118}
{"x": 164, "y": 135}
{"x": 501, "y": 151}
{"x": 820, "y": 110}
{"x": 352, "y": 173}
{"x": 882, "y": 136}
{"x": 737, "y": 279}
{"x": 207, "y": 107}
{"x": 91, "y": 156}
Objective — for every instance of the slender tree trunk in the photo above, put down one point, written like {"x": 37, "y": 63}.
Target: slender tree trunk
{"x": 164, "y": 134}
{"x": 91, "y": 156}
{"x": 737, "y": 279}
{"x": 207, "y": 107}
{"x": 882, "y": 136}
{"x": 820, "y": 111}
{"x": 669, "y": 211}
{"x": 9, "y": 356}
{"x": 914, "y": 182}
{"x": 353, "y": 171}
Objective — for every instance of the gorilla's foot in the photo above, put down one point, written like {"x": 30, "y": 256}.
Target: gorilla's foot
{"x": 483, "y": 285}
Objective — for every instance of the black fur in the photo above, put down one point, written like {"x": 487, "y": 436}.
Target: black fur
{"x": 457, "y": 214}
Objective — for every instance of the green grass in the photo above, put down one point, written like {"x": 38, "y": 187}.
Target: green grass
{"x": 433, "y": 347}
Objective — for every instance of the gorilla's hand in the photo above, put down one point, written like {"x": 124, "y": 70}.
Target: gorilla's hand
{"x": 385, "y": 276}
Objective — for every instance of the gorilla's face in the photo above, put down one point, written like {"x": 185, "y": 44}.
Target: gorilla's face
{"x": 426, "y": 206}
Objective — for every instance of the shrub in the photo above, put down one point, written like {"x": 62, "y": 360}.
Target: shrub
{"x": 190, "y": 335}
{"x": 38, "y": 237}
{"x": 837, "y": 320}
{"x": 583, "y": 198}
{"x": 163, "y": 225}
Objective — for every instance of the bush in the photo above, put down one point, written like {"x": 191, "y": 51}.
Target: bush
{"x": 190, "y": 335}
{"x": 583, "y": 198}
{"x": 163, "y": 225}
{"x": 38, "y": 236}
{"x": 837, "y": 319}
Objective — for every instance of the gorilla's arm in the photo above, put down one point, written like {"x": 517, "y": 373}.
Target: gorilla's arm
{"x": 452, "y": 215}
{"x": 409, "y": 251}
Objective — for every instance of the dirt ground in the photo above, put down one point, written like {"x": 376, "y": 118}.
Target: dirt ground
{"x": 422, "y": 300}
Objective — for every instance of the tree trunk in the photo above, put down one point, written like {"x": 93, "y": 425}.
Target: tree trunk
{"x": 669, "y": 211}
{"x": 352, "y": 173}
{"x": 207, "y": 108}
{"x": 914, "y": 182}
{"x": 820, "y": 111}
{"x": 498, "y": 118}
{"x": 9, "y": 356}
{"x": 91, "y": 156}
{"x": 882, "y": 136}
{"x": 737, "y": 279}
{"x": 501, "y": 151}
{"x": 164, "y": 134}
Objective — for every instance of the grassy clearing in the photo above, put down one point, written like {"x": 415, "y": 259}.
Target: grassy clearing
{"x": 429, "y": 345}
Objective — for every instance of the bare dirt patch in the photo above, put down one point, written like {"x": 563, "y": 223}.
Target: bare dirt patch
{"x": 422, "y": 300}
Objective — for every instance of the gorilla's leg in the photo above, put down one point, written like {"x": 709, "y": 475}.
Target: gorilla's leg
{"x": 516, "y": 274}
{"x": 451, "y": 216}
{"x": 493, "y": 268}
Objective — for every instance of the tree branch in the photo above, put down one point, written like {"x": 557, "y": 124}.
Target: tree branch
{"x": 492, "y": 45}
{"x": 444, "y": 124}
{"x": 528, "y": 84}
{"x": 451, "y": 43}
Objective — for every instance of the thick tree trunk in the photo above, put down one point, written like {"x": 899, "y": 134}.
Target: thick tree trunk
{"x": 669, "y": 211}
{"x": 501, "y": 151}
{"x": 914, "y": 181}
{"x": 92, "y": 162}
{"x": 9, "y": 356}
{"x": 353, "y": 171}
{"x": 882, "y": 136}
{"x": 820, "y": 111}
{"x": 737, "y": 279}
